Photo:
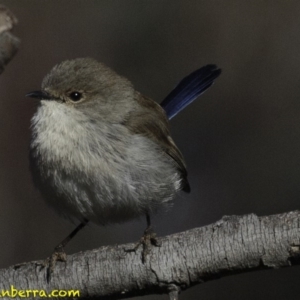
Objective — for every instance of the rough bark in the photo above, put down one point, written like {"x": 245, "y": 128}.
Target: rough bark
{"x": 230, "y": 246}
{"x": 9, "y": 44}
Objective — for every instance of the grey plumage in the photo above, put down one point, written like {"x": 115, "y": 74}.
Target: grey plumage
{"x": 107, "y": 157}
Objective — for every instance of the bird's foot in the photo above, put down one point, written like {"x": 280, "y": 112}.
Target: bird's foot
{"x": 59, "y": 254}
{"x": 148, "y": 240}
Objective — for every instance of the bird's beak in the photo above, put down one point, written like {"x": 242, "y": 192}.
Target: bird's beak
{"x": 39, "y": 95}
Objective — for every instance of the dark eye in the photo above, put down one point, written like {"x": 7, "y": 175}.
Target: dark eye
{"x": 75, "y": 96}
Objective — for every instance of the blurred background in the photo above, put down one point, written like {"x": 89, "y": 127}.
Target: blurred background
{"x": 241, "y": 139}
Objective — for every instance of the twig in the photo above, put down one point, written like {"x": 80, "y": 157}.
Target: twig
{"x": 9, "y": 44}
{"x": 230, "y": 246}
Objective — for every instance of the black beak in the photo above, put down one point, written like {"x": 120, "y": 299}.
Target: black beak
{"x": 39, "y": 95}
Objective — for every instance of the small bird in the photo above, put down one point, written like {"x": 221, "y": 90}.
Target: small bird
{"x": 101, "y": 151}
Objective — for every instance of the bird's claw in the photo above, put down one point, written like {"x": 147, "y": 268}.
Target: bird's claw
{"x": 148, "y": 239}
{"x": 59, "y": 254}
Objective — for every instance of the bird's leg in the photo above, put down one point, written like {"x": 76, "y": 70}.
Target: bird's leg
{"x": 150, "y": 233}
{"x": 59, "y": 253}
{"x": 147, "y": 240}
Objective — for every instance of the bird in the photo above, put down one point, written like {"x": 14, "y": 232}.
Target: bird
{"x": 102, "y": 152}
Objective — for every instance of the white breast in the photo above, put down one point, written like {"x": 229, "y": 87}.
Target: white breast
{"x": 98, "y": 171}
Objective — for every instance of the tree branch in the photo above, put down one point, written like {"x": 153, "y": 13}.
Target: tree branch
{"x": 230, "y": 246}
{"x": 9, "y": 44}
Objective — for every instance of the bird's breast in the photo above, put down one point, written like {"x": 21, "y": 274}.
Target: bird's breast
{"x": 96, "y": 170}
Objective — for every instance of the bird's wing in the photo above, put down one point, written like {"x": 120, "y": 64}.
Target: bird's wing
{"x": 151, "y": 121}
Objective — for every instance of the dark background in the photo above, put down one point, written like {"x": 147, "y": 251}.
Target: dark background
{"x": 241, "y": 139}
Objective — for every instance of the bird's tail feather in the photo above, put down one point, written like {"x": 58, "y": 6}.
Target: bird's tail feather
{"x": 189, "y": 88}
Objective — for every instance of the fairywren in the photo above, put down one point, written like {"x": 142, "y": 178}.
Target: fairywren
{"x": 100, "y": 150}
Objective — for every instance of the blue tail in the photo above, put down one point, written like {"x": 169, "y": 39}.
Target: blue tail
{"x": 189, "y": 88}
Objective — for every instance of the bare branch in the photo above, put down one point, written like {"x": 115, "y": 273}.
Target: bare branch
{"x": 9, "y": 44}
{"x": 230, "y": 246}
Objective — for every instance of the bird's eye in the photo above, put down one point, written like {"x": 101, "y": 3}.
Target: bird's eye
{"x": 75, "y": 96}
